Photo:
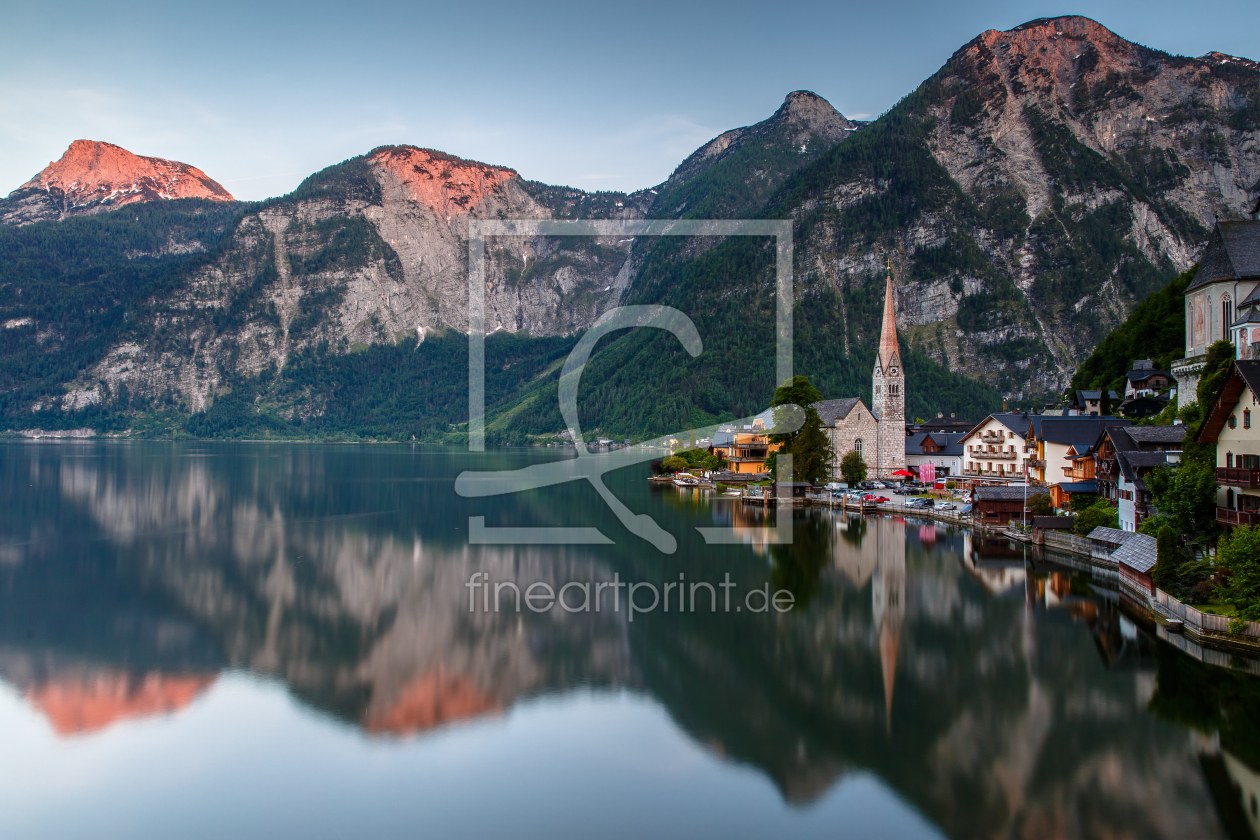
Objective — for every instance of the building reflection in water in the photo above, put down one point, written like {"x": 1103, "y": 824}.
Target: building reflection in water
{"x": 962, "y": 677}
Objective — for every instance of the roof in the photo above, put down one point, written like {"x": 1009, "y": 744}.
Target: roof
{"x": 1233, "y": 252}
{"x": 1138, "y": 374}
{"x": 829, "y": 411}
{"x": 1054, "y": 523}
{"x": 1079, "y": 487}
{"x": 1245, "y": 374}
{"x": 950, "y": 443}
{"x": 1254, "y": 297}
{"x": 1139, "y": 552}
{"x": 1016, "y": 422}
{"x": 1006, "y": 494}
{"x": 1253, "y": 315}
{"x": 1157, "y": 434}
{"x": 1111, "y": 535}
{"x": 1071, "y": 430}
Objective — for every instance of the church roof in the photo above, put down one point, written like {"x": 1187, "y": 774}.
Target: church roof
{"x": 1232, "y": 253}
{"x": 829, "y": 411}
{"x": 888, "y": 334}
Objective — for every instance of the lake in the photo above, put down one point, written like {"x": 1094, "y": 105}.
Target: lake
{"x": 300, "y": 640}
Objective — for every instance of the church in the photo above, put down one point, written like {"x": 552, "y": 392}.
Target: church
{"x": 877, "y": 433}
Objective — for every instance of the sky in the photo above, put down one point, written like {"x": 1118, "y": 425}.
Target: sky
{"x": 601, "y": 96}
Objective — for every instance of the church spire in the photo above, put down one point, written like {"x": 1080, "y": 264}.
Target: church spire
{"x": 888, "y": 336}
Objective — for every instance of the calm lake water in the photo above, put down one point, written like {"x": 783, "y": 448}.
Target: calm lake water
{"x": 252, "y": 640}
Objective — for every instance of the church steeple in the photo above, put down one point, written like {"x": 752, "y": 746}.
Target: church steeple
{"x": 888, "y": 354}
{"x": 888, "y": 395}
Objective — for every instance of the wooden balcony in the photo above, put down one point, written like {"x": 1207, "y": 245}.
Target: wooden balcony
{"x": 1036, "y": 463}
{"x": 1238, "y": 477}
{"x": 981, "y": 455}
{"x": 1225, "y": 516}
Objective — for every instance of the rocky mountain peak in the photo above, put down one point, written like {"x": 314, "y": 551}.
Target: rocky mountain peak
{"x": 448, "y": 185}
{"x": 811, "y": 115}
{"x": 761, "y": 156}
{"x": 92, "y": 176}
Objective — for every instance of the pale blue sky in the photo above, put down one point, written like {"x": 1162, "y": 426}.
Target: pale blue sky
{"x": 599, "y": 96}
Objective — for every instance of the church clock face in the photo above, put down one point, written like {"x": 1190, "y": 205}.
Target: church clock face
{"x": 877, "y": 372}
{"x": 892, "y": 371}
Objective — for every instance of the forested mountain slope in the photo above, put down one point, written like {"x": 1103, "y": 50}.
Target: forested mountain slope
{"x": 1027, "y": 196}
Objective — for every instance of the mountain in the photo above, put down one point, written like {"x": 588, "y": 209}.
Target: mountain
{"x": 1030, "y": 192}
{"x": 1027, "y": 196}
{"x": 92, "y": 177}
{"x": 737, "y": 171}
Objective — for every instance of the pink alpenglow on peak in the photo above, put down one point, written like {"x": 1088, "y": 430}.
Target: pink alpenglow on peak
{"x": 93, "y": 176}
{"x": 447, "y": 185}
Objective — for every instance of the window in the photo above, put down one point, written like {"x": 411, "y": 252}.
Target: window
{"x": 1247, "y": 418}
{"x": 892, "y": 389}
{"x": 1227, "y": 315}
{"x": 1233, "y": 422}
{"x": 877, "y": 389}
{"x": 857, "y": 446}
{"x": 1229, "y": 459}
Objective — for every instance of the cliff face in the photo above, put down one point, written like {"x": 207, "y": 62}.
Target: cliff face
{"x": 92, "y": 177}
{"x": 370, "y": 251}
{"x": 1031, "y": 191}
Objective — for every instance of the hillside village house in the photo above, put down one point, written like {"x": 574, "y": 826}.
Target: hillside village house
{"x": 1054, "y": 441}
{"x": 1124, "y": 456}
{"x": 1088, "y": 403}
{"x": 1144, "y": 380}
{"x": 1234, "y": 426}
{"x": 994, "y": 449}
{"x": 944, "y": 451}
{"x": 1222, "y": 299}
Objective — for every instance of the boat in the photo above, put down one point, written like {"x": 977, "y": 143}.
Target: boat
{"x": 687, "y": 480}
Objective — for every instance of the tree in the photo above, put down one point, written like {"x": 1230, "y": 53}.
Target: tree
{"x": 1167, "y": 558}
{"x": 1101, "y": 515}
{"x": 812, "y": 455}
{"x": 799, "y": 392}
{"x": 1039, "y": 505}
{"x": 674, "y": 464}
{"x": 1078, "y": 502}
{"x": 853, "y": 468}
{"x": 1186, "y": 493}
{"x": 1216, "y": 369}
{"x": 1239, "y": 553}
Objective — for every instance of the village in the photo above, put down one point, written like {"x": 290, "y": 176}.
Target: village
{"x": 1084, "y": 477}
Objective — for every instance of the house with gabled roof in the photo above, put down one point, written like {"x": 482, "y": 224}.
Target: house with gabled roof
{"x": 1124, "y": 456}
{"x": 1051, "y": 439}
{"x": 1222, "y": 299}
{"x": 993, "y": 451}
{"x": 1233, "y": 424}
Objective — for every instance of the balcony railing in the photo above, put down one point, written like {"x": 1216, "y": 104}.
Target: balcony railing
{"x": 1036, "y": 463}
{"x": 981, "y": 455}
{"x": 1225, "y": 516}
{"x": 1238, "y": 477}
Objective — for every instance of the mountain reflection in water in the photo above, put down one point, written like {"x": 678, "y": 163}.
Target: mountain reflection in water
{"x": 997, "y": 696}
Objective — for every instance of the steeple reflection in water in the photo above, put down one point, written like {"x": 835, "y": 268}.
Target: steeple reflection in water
{"x": 985, "y": 694}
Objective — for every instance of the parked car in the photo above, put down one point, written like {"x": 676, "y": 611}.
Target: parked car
{"x": 878, "y": 485}
{"x": 946, "y": 506}
{"x": 918, "y": 502}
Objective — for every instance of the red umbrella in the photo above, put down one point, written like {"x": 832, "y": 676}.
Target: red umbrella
{"x": 904, "y": 472}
